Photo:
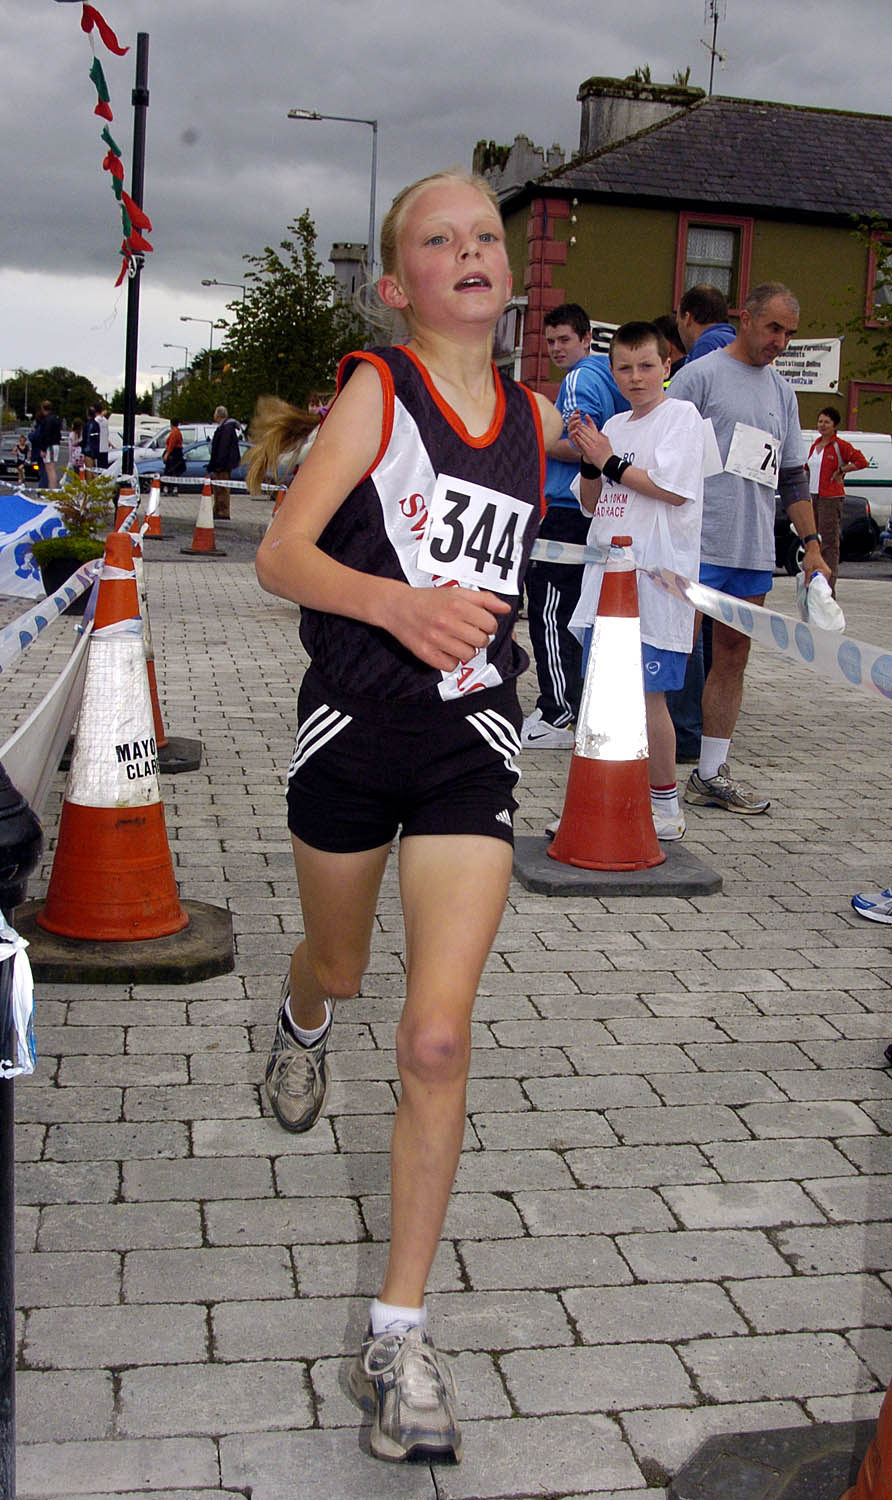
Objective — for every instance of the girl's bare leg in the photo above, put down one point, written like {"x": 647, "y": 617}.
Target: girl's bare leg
{"x": 338, "y": 896}
{"x": 453, "y": 894}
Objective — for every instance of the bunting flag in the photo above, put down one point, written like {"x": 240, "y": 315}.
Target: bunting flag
{"x": 133, "y": 219}
{"x": 90, "y": 17}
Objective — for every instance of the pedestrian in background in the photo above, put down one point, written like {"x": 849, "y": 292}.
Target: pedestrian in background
{"x": 830, "y": 459}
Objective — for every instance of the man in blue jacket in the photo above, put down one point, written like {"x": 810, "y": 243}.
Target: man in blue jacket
{"x": 553, "y": 588}
{"x": 703, "y": 321}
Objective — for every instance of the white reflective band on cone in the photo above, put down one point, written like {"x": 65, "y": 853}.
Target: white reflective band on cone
{"x": 115, "y": 760}
{"x": 611, "y": 724}
{"x": 154, "y": 499}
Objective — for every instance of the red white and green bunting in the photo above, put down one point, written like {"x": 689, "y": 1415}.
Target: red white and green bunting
{"x": 133, "y": 219}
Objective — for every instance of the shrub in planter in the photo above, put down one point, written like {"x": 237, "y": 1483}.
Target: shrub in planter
{"x": 83, "y": 504}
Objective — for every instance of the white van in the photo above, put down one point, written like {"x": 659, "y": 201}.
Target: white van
{"x": 152, "y": 445}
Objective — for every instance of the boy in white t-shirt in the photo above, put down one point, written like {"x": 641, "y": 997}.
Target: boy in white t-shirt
{"x": 643, "y": 475}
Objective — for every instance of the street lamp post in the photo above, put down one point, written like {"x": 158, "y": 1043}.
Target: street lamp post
{"x": 212, "y": 281}
{"x": 185, "y": 318}
{"x": 314, "y": 114}
{"x": 185, "y": 350}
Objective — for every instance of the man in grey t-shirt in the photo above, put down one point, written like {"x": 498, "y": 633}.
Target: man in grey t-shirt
{"x": 756, "y": 421}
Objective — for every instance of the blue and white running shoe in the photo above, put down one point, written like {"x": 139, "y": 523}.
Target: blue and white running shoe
{"x": 876, "y": 906}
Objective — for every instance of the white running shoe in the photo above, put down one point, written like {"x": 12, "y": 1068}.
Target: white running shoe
{"x": 669, "y": 828}
{"x": 540, "y": 735}
{"x": 409, "y": 1387}
{"x": 876, "y": 906}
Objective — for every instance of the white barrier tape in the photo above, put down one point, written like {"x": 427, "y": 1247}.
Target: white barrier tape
{"x": 574, "y": 554}
{"x": 838, "y": 658}
{"x": 111, "y": 574}
{"x": 17, "y": 637}
{"x": 118, "y": 628}
{"x": 194, "y": 481}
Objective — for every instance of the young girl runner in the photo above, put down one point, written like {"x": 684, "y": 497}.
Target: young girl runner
{"x": 405, "y": 536}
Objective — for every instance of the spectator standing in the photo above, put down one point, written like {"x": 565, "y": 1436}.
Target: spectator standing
{"x": 703, "y": 320}
{"x": 75, "y": 447}
{"x": 20, "y": 453}
{"x": 91, "y": 440}
{"x": 225, "y": 456}
{"x": 756, "y": 421}
{"x": 174, "y": 462}
{"x": 50, "y": 440}
{"x": 553, "y": 588}
{"x": 830, "y": 459}
{"x": 102, "y": 423}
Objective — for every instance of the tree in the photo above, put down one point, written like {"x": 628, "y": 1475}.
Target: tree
{"x": 70, "y": 393}
{"x": 143, "y": 403}
{"x": 290, "y": 330}
{"x": 872, "y": 326}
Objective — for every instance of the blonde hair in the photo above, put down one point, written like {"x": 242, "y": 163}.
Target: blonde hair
{"x": 276, "y": 427}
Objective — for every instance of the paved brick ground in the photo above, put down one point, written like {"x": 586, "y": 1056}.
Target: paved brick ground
{"x": 672, "y": 1214}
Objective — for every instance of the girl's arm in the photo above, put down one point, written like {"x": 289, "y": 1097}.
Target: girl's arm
{"x": 552, "y": 422}
{"x": 441, "y": 626}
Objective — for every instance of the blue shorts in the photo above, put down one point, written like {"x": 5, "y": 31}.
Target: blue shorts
{"x": 664, "y": 671}
{"x": 741, "y": 583}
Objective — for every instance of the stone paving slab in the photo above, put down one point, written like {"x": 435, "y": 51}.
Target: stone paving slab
{"x": 672, "y": 1211}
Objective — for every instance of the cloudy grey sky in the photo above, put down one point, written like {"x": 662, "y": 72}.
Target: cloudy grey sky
{"x": 226, "y": 170}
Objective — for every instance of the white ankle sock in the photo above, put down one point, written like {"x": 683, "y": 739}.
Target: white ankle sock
{"x": 386, "y": 1315}
{"x": 307, "y": 1038}
{"x": 713, "y": 753}
{"x": 664, "y": 800}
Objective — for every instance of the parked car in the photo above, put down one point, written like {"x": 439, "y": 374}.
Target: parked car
{"x": 196, "y": 457}
{"x": 859, "y": 534}
{"x": 153, "y": 446}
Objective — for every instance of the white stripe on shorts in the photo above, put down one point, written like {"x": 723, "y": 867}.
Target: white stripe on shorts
{"x": 500, "y": 733}
{"x": 322, "y": 725}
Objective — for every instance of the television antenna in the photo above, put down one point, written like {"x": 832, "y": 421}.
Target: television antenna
{"x": 714, "y": 10}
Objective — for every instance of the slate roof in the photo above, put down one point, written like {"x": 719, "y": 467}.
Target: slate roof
{"x": 750, "y": 154}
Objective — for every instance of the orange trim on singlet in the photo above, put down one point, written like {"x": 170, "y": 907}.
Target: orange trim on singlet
{"x": 540, "y": 439}
{"x": 452, "y": 416}
{"x": 387, "y": 392}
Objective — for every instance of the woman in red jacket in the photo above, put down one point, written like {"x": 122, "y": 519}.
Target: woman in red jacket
{"x": 830, "y": 458}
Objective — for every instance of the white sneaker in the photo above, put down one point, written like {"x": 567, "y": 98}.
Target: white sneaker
{"x": 876, "y": 906}
{"x": 552, "y": 828}
{"x": 540, "y": 735}
{"x": 669, "y": 827}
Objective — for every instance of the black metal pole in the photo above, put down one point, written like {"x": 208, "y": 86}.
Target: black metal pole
{"x": 140, "y": 106}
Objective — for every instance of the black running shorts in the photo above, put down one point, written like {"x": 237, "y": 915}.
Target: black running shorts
{"x": 361, "y": 772}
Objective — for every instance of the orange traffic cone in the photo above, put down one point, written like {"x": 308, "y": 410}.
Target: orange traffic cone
{"x": 203, "y": 543}
{"x": 874, "y": 1480}
{"x": 152, "y": 525}
{"x": 280, "y": 496}
{"x": 139, "y": 569}
{"x": 112, "y": 877}
{"x": 126, "y": 507}
{"x": 607, "y": 823}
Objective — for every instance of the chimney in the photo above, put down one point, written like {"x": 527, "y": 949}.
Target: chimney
{"x": 613, "y": 108}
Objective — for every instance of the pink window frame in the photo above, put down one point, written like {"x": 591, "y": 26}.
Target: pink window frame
{"x": 858, "y": 388}
{"x": 878, "y": 237}
{"x": 721, "y": 221}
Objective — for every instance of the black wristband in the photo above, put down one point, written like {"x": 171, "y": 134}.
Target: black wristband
{"x": 615, "y": 467}
{"x": 813, "y": 536}
{"x": 589, "y": 471}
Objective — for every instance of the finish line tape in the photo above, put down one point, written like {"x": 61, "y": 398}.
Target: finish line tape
{"x": 837, "y": 658}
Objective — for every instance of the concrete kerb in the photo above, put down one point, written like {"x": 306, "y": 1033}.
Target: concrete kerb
{"x": 201, "y": 950}
{"x": 681, "y": 874}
